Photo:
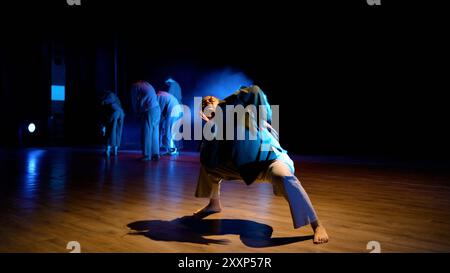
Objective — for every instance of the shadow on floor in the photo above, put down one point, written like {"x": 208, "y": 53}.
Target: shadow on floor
{"x": 193, "y": 229}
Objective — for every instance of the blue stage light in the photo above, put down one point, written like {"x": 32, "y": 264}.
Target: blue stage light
{"x": 221, "y": 83}
{"x": 31, "y": 128}
{"x": 58, "y": 93}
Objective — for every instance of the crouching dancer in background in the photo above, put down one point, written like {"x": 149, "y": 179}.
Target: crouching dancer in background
{"x": 145, "y": 105}
{"x": 167, "y": 103}
{"x": 113, "y": 117}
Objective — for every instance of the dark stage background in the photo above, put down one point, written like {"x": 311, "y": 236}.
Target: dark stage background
{"x": 348, "y": 82}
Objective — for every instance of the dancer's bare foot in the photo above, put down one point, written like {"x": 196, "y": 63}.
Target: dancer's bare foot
{"x": 320, "y": 234}
{"x": 214, "y": 206}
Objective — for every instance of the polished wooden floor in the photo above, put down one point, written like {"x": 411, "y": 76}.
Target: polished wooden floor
{"x": 49, "y": 197}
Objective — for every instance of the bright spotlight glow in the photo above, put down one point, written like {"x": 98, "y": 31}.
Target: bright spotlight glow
{"x": 31, "y": 128}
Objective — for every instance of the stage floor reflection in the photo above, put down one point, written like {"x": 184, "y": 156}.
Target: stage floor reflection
{"x": 50, "y": 197}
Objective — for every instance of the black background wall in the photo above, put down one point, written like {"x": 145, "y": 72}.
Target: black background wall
{"x": 348, "y": 81}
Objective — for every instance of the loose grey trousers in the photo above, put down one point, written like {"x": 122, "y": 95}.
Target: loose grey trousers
{"x": 283, "y": 181}
{"x": 150, "y": 132}
{"x": 166, "y": 136}
{"x": 114, "y": 128}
